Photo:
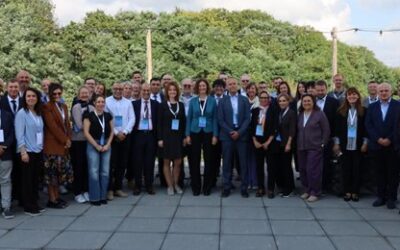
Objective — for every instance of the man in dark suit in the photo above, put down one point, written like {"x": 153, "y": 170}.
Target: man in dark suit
{"x": 7, "y": 147}
{"x": 12, "y": 102}
{"x": 234, "y": 121}
{"x": 381, "y": 123}
{"x": 329, "y": 105}
{"x": 144, "y": 140}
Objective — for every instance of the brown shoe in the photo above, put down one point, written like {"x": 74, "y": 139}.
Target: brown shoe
{"x": 120, "y": 193}
{"x": 110, "y": 195}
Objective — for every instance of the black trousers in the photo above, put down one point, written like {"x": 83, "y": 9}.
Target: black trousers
{"x": 119, "y": 161}
{"x": 80, "y": 166}
{"x": 261, "y": 158}
{"x": 216, "y": 161}
{"x": 16, "y": 178}
{"x": 130, "y": 166}
{"x": 201, "y": 141}
{"x": 30, "y": 179}
{"x": 351, "y": 171}
{"x": 326, "y": 168}
{"x": 386, "y": 172}
{"x": 284, "y": 170}
{"x": 144, "y": 146}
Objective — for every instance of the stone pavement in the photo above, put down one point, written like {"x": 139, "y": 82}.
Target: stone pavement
{"x": 187, "y": 222}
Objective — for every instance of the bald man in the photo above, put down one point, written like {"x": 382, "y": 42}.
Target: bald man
{"x": 381, "y": 123}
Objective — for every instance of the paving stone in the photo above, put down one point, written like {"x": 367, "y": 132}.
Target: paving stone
{"x": 296, "y": 228}
{"x": 289, "y": 213}
{"x": 212, "y": 200}
{"x": 72, "y": 210}
{"x": 75, "y": 240}
{"x": 329, "y": 202}
{"x": 364, "y": 202}
{"x": 284, "y": 202}
{"x": 10, "y": 224}
{"x": 248, "y": 242}
{"x": 198, "y": 212}
{"x": 2, "y": 232}
{"x": 207, "y": 226}
{"x": 336, "y": 214}
{"x": 159, "y": 200}
{"x": 245, "y": 227}
{"x": 243, "y": 213}
{"x": 190, "y": 241}
{"x": 236, "y": 200}
{"x": 152, "y": 212}
{"x": 18, "y": 239}
{"x": 358, "y": 242}
{"x": 395, "y": 241}
{"x": 387, "y": 228}
{"x": 44, "y": 222}
{"x": 348, "y": 228}
{"x": 303, "y": 242}
{"x": 130, "y": 200}
{"x": 95, "y": 224}
{"x": 109, "y": 210}
{"x": 379, "y": 214}
{"x": 135, "y": 241}
{"x": 144, "y": 225}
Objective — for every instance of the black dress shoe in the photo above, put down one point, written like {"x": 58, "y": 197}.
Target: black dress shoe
{"x": 103, "y": 202}
{"x": 56, "y": 205}
{"x": 245, "y": 194}
{"x": 196, "y": 193}
{"x": 347, "y": 197}
{"x": 62, "y": 202}
{"x": 150, "y": 191}
{"x": 225, "y": 193}
{"x": 206, "y": 192}
{"x": 95, "y": 203}
{"x": 391, "y": 204}
{"x": 271, "y": 195}
{"x": 378, "y": 202}
{"x": 136, "y": 191}
{"x": 355, "y": 197}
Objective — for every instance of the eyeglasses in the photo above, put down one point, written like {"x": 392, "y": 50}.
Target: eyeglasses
{"x": 263, "y": 98}
{"x": 57, "y": 93}
{"x": 245, "y": 80}
{"x": 187, "y": 86}
{"x": 118, "y": 89}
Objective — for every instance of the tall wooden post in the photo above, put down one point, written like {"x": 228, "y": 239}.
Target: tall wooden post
{"x": 149, "y": 56}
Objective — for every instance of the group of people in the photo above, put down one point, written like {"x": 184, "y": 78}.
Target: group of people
{"x": 97, "y": 142}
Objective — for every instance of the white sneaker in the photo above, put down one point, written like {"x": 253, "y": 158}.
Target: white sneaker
{"x": 62, "y": 189}
{"x": 86, "y": 196}
{"x": 170, "y": 191}
{"x": 80, "y": 199}
{"x": 305, "y": 196}
{"x": 178, "y": 189}
{"x": 312, "y": 198}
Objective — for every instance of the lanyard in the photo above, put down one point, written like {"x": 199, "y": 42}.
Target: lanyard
{"x": 102, "y": 123}
{"x": 352, "y": 117}
{"x": 202, "y": 108}
{"x": 170, "y": 109}
{"x": 262, "y": 114}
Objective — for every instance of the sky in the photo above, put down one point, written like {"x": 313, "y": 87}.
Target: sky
{"x": 323, "y": 15}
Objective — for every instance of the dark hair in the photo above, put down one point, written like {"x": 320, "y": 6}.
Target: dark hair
{"x": 250, "y": 85}
{"x": 155, "y": 79}
{"x": 298, "y": 96}
{"x": 53, "y": 87}
{"x": 287, "y": 86}
{"x": 90, "y": 78}
{"x": 136, "y": 72}
{"x": 344, "y": 108}
{"x": 286, "y": 96}
{"x": 372, "y": 81}
{"x": 321, "y": 83}
{"x": 97, "y": 97}
{"x": 197, "y": 84}
{"x": 264, "y": 92}
{"x": 38, "y": 105}
{"x": 178, "y": 92}
{"x": 13, "y": 80}
{"x": 218, "y": 82}
{"x": 104, "y": 87}
{"x": 301, "y": 109}
{"x": 310, "y": 84}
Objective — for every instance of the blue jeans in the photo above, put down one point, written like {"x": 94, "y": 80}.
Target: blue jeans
{"x": 99, "y": 170}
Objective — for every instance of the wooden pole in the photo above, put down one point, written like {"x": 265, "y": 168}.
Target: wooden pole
{"x": 149, "y": 56}
{"x": 334, "y": 51}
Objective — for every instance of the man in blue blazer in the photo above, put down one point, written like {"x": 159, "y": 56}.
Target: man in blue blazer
{"x": 234, "y": 121}
{"x": 144, "y": 139}
{"x": 381, "y": 125}
{"x": 6, "y": 164}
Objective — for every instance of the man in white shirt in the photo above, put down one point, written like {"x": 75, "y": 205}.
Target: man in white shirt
{"x": 187, "y": 93}
{"x": 245, "y": 80}
{"x": 124, "y": 119}
{"x": 372, "y": 94}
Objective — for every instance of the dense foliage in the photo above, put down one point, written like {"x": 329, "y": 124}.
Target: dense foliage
{"x": 186, "y": 44}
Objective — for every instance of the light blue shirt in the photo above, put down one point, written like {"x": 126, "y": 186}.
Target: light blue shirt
{"x": 27, "y": 127}
{"x": 384, "y": 108}
{"x": 234, "y": 102}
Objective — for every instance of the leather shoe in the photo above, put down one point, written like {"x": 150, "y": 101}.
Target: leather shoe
{"x": 196, "y": 193}
{"x": 390, "y": 204}
{"x": 136, "y": 191}
{"x": 378, "y": 202}
{"x": 206, "y": 192}
{"x": 245, "y": 194}
{"x": 150, "y": 191}
{"x": 225, "y": 193}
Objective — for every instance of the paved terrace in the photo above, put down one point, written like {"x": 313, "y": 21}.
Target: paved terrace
{"x": 211, "y": 223}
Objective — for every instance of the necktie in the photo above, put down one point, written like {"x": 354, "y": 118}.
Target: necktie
{"x": 154, "y": 97}
{"x": 14, "y": 106}
{"x": 146, "y": 110}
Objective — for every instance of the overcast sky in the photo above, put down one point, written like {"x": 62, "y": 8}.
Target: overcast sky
{"x": 321, "y": 14}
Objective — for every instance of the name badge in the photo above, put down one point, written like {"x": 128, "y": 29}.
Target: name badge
{"x": 102, "y": 139}
{"x": 144, "y": 124}
{"x": 259, "y": 130}
{"x": 175, "y": 124}
{"x": 278, "y": 138}
{"x": 39, "y": 138}
{"x": 351, "y": 132}
{"x": 118, "y": 121}
{"x": 202, "y": 122}
{"x": 1, "y": 136}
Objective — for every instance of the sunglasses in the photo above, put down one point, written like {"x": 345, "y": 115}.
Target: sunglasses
{"x": 245, "y": 80}
{"x": 57, "y": 93}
